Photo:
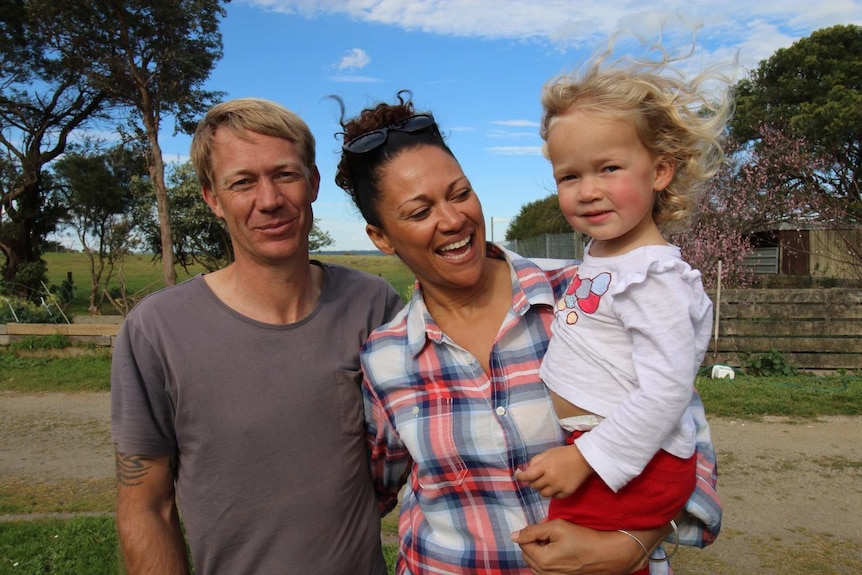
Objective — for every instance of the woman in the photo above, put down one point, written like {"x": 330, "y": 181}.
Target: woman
{"x": 454, "y": 402}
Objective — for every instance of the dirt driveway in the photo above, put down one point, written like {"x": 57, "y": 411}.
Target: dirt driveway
{"x": 792, "y": 491}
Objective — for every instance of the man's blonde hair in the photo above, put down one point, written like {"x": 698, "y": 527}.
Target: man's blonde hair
{"x": 244, "y": 115}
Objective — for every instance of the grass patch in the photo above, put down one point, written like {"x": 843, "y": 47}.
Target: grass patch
{"x": 389, "y": 524}
{"x": 41, "y": 342}
{"x": 390, "y": 553}
{"x": 21, "y": 497}
{"x": 39, "y": 374}
{"x": 81, "y": 545}
{"x": 802, "y": 396}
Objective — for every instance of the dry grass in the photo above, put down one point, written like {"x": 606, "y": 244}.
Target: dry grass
{"x": 20, "y": 496}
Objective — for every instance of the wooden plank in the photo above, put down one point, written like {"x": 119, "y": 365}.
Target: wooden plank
{"x": 844, "y": 296}
{"x": 61, "y": 328}
{"x": 97, "y": 340}
{"x": 790, "y": 344}
{"x": 815, "y": 328}
{"x": 807, "y": 361}
{"x": 789, "y": 312}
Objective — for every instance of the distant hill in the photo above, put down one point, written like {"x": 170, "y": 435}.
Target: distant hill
{"x": 348, "y": 253}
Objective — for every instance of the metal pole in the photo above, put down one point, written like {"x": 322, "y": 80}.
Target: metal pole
{"x": 717, "y": 310}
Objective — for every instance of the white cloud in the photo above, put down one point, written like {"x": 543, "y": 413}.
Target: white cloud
{"x": 354, "y": 59}
{"x": 516, "y": 123}
{"x": 516, "y": 150}
{"x": 355, "y": 79}
{"x": 757, "y": 27}
{"x": 461, "y": 129}
{"x": 546, "y": 18}
{"x": 509, "y": 135}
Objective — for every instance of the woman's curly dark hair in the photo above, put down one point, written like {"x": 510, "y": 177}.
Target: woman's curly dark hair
{"x": 359, "y": 174}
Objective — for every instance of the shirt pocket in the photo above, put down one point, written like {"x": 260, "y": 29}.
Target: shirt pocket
{"x": 428, "y": 431}
{"x": 350, "y": 412}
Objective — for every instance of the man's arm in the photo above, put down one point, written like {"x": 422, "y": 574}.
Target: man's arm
{"x": 148, "y": 524}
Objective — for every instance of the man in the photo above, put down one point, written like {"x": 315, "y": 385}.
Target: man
{"x": 235, "y": 396}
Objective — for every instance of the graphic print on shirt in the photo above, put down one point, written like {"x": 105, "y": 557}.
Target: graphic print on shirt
{"x": 584, "y": 294}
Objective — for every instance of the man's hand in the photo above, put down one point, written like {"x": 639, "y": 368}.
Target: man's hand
{"x": 558, "y": 472}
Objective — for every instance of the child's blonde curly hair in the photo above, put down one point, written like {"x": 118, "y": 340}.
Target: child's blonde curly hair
{"x": 674, "y": 117}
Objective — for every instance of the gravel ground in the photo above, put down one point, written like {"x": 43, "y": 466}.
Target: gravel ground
{"x": 786, "y": 485}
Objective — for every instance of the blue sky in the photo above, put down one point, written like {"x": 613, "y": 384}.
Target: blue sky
{"x": 478, "y": 65}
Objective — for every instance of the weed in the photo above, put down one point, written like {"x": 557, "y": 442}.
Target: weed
{"x": 38, "y": 374}
{"x": 772, "y": 363}
{"x": 838, "y": 463}
{"x": 36, "y": 342}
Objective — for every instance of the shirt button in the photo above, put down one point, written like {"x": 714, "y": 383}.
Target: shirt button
{"x": 501, "y": 411}
{"x": 415, "y": 410}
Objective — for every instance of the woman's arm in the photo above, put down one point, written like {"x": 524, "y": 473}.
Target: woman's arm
{"x": 561, "y": 548}
{"x": 389, "y": 459}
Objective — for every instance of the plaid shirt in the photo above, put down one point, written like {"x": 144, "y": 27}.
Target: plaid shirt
{"x": 456, "y": 436}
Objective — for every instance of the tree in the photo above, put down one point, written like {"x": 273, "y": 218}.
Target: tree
{"x": 812, "y": 91}
{"x": 153, "y": 58}
{"x": 44, "y": 98}
{"x": 757, "y": 190}
{"x": 318, "y": 238}
{"x": 538, "y": 218}
{"x": 199, "y": 236}
{"x": 96, "y": 193}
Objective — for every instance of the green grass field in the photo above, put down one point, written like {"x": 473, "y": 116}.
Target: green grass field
{"x": 142, "y": 274}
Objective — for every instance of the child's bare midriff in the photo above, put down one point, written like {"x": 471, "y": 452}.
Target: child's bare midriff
{"x": 565, "y": 409}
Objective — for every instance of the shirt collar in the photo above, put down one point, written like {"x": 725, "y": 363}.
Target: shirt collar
{"x": 530, "y": 287}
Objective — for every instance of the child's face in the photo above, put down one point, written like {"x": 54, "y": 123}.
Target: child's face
{"x": 606, "y": 181}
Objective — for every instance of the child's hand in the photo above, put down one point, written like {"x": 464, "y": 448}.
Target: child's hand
{"x": 558, "y": 472}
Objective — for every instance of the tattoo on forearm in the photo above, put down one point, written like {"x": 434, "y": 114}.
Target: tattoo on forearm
{"x": 132, "y": 468}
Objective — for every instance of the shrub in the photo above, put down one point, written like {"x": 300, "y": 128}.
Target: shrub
{"x": 14, "y": 309}
{"x": 768, "y": 364}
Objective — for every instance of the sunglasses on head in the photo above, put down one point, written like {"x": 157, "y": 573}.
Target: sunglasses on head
{"x": 376, "y": 138}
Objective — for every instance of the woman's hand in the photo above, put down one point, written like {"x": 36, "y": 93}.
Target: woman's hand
{"x": 561, "y": 548}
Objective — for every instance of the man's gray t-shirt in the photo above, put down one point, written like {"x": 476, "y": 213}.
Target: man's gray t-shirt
{"x": 267, "y": 422}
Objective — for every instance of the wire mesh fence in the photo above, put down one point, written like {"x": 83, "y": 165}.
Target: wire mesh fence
{"x": 561, "y": 246}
